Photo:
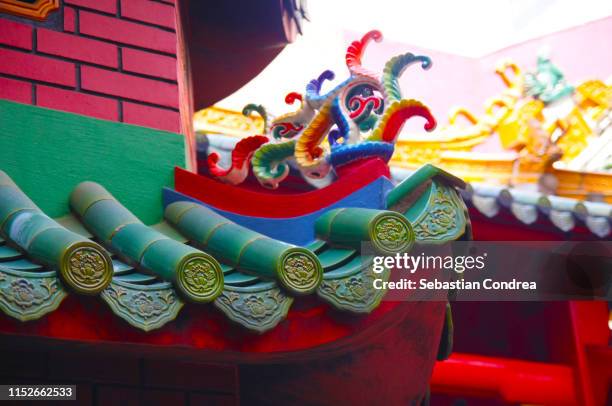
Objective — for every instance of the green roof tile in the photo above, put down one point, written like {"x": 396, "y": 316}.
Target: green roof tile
{"x": 250, "y": 267}
{"x": 83, "y": 264}
{"x": 297, "y": 269}
{"x": 197, "y": 275}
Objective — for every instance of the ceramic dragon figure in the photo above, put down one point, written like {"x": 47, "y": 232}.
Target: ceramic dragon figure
{"x": 547, "y": 83}
{"x": 361, "y": 117}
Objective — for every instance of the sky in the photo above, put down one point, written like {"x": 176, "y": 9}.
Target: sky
{"x": 472, "y": 28}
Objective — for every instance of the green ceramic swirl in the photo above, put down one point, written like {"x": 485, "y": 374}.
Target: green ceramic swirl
{"x": 268, "y": 162}
{"x": 394, "y": 69}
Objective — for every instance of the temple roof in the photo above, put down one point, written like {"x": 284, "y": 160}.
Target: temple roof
{"x": 527, "y": 206}
{"x": 146, "y": 274}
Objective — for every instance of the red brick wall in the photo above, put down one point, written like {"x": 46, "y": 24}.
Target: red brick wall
{"x": 124, "y": 380}
{"x": 113, "y": 59}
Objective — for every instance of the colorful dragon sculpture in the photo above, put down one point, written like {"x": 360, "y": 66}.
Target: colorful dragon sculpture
{"x": 359, "y": 118}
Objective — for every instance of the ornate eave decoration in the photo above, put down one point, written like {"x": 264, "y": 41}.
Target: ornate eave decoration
{"x": 361, "y": 117}
{"x": 146, "y": 276}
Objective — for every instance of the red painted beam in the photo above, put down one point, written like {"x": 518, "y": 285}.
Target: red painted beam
{"x": 265, "y": 203}
{"x": 514, "y": 381}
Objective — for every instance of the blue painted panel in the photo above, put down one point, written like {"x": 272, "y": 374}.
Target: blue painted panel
{"x": 298, "y": 230}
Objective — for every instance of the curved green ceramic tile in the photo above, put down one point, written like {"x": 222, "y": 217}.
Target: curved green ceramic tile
{"x": 316, "y": 246}
{"x": 354, "y": 292}
{"x": 237, "y": 278}
{"x": 121, "y": 268}
{"x": 418, "y": 178}
{"x": 197, "y": 275}
{"x": 83, "y": 265}
{"x": 146, "y": 307}
{"x": 388, "y": 232}
{"x": 136, "y": 278}
{"x": 9, "y": 254}
{"x": 23, "y": 264}
{"x": 226, "y": 268}
{"x": 332, "y": 258}
{"x": 297, "y": 269}
{"x": 357, "y": 264}
{"x": 444, "y": 219}
{"x": 257, "y": 308}
{"x": 29, "y": 295}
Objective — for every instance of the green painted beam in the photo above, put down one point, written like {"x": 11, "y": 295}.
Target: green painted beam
{"x": 48, "y": 152}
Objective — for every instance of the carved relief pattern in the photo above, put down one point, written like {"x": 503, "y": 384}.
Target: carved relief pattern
{"x": 259, "y": 311}
{"x": 355, "y": 293}
{"x": 146, "y": 309}
{"x": 87, "y": 267}
{"x": 29, "y": 296}
{"x": 391, "y": 233}
{"x": 300, "y": 269}
{"x": 443, "y": 219}
{"x": 200, "y": 276}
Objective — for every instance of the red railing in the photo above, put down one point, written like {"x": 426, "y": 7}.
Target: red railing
{"x": 582, "y": 379}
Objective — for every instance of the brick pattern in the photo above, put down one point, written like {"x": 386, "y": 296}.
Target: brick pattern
{"x": 128, "y": 86}
{"x": 75, "y": 102}
{"x": 15, "y": 90}
{"x": 79, "y": 48}
{"x": 143, "y": 10}
{"x": 147, "y": 116}
{"x": 15, "y": 34}
{"x": 124, "y": 380}
{"x": 107, "y": 6}
{"x": 30, "y": 66}
{"x": 69, "y": 19}
{"x": 113, "y": 59}
{"x": 127, "y": 32}
{"x": 146, "y": 63}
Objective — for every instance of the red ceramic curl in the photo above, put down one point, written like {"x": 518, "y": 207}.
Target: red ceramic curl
{"x": 355, "y": 51}
{"x": 240, "y": 155}
{"x": 400, "y": 116}
{"x": 292, "y": 97}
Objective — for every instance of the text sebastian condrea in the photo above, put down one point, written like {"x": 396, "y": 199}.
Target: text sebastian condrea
{"x": 426, "y": 284}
